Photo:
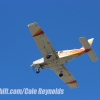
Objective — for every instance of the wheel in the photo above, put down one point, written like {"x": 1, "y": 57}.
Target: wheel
{"x": 48, "y": 56}
{"x": 37, "y": 72}
{"x": 60, "y": 75}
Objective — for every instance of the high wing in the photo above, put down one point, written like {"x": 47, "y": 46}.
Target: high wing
{"x": 67, "y": 76}
{"x": 42, "y": 41}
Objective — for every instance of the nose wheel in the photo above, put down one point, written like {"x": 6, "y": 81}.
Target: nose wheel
{"x": 38, "y": 71}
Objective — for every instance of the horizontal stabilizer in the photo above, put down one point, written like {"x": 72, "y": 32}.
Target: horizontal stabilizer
{"x": 86, "y": 46}
{"x": 85, "y": 43}
{"x": 92, "y": 55}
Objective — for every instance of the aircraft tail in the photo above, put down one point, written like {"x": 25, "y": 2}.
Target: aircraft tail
{"x": 87, "y": 46}
{"x": 90, "y": 41}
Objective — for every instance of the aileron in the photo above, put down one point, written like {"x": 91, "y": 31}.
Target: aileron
{"x": 67, "y": 77}
{"x": 42, "y": 41}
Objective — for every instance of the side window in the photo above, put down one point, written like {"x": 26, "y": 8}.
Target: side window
{"x": 61, "y": 51}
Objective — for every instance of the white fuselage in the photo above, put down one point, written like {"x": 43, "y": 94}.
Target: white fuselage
{"x": 64, "y": 57}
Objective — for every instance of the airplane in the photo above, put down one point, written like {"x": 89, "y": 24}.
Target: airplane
{"x": 55, "y": 60}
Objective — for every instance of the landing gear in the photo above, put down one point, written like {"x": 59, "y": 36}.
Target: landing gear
{"x": 61, "y": 74}
{"x": 38, "y": 70}
{"x": 48, "y": 56}
{"x": 41, "y": 66}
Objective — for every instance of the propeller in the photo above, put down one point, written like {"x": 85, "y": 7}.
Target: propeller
{"x": 33, "y": 67}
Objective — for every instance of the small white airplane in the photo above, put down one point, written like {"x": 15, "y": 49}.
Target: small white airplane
{"x": 55, "y": 60}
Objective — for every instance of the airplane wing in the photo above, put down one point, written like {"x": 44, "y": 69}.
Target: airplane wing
{"x": 67, "y": 76}
{"x": 42, "y": 41}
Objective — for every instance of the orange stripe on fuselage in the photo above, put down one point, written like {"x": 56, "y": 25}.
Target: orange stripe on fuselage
{"x": 77, "y": 52}
{"x": 87, "y": 50}
{"x": 39, "y": 32}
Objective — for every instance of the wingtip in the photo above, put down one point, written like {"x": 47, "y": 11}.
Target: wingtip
{"x": 31, "y": 24}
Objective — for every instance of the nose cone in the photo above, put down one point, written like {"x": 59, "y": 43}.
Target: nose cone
{"x": 32, "y": 65}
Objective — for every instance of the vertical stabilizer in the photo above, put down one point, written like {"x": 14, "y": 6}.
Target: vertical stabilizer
{"x": 90, "y": 41}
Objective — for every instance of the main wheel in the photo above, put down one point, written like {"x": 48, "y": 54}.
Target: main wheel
{"x": 48, "y": 56}
{"x": 60, "y": 75}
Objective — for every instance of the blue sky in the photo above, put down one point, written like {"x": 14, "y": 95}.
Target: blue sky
{"x": 63, "y": 22}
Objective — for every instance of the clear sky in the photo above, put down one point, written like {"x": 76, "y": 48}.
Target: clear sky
{"x": 63, "y": 21}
